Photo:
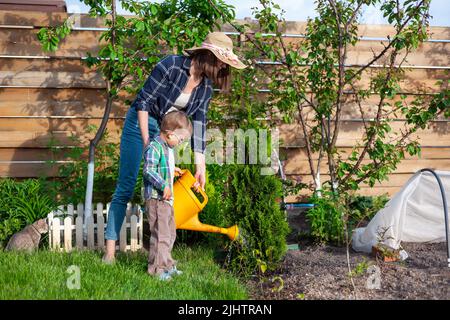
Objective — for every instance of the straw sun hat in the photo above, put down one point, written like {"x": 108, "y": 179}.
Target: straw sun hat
{"x": 222, "y": 47}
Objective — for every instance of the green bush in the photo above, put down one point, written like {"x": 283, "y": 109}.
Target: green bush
{"x": 21, "y": 203}
{"x": 8, "y": 226}
{"x": 331, "y": 212}
{"x": 253, "y": 204}
{"x": 326, "y": 219}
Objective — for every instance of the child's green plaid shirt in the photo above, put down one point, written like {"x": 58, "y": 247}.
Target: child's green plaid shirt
{"x": 156, "y": 169}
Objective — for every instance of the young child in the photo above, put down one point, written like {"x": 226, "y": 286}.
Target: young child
{"x": 159, "y": 170}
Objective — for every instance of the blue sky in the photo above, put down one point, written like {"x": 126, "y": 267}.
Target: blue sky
{"x": 299, "y": 10}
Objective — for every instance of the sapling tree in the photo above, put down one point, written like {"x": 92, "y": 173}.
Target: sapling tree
{"x": 312, "y": 82}
{"x": 131, "y": 46}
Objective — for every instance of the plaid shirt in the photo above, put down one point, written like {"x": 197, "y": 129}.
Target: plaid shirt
{"x": 162, "y": 88}
{"x": 156, "y": 170}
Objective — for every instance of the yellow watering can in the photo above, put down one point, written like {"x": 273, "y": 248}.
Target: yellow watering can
{"x": 187, "y": 207}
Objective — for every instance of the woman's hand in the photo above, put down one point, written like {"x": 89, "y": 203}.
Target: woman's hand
{"x": 200, "y": 174}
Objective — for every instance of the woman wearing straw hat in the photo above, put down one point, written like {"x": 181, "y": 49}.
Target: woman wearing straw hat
{"x": 178, "y": 82}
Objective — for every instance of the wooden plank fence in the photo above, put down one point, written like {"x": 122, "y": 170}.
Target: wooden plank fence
{"x": 51, "y": 96}
{"x": 69, "y": 229}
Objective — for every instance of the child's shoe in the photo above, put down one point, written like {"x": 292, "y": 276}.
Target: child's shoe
{"x": 175, "y": 271}
{"x": 165, "y": 276}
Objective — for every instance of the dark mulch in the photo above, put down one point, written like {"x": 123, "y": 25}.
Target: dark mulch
{"x": 321, "y": 272}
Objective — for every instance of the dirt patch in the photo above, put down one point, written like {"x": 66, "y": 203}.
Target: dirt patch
{"x": 321, "y": 272}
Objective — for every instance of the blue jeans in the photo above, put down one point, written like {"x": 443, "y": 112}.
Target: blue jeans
{"x": 131, "y": 149}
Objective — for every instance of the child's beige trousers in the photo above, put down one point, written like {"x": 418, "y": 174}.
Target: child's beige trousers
{"x": 163, "y": 233}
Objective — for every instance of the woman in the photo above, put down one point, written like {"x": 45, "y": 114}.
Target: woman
{"x": 180, "y": 82}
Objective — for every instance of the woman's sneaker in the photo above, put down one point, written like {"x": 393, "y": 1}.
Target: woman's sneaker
{"x": 175, "y": 271}
{"x": 165, "y": 276}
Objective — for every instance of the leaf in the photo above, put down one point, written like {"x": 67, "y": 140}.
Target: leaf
{"x": 140, "y": 26}
{"x": 263, "y": 268}
{"x": 154, "y": 9}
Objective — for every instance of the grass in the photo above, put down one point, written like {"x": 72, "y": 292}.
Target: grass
{"x": 44, "y": 275}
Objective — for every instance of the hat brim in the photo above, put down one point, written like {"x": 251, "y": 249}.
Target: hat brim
{"x": 235, "y": 64}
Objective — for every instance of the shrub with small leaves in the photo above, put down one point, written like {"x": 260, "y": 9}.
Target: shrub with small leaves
{"x": 332, "y": 214}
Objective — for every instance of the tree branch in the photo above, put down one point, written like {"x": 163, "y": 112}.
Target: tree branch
{"x": 391, "y": 43}
{"x": 377, "y": 121}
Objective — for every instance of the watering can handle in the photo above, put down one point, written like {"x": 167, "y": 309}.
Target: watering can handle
{"x": 200, "y": 190}
{"x": 205, "y": 196}
{"x": 182, "y": 172}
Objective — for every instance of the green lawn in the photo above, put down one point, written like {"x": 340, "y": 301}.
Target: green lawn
{"x": 43, "y": 275}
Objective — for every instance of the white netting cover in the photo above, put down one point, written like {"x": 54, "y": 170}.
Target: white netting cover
{"x": 414, "y": 214}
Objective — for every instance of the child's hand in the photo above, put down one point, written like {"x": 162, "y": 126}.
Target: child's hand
{"x": 178, "y": 172}
{"x": 167, "y": 194}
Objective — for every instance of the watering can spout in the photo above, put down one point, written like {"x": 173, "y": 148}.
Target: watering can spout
{"x": 187, "y": 206}
{"x": 195, "y": 225}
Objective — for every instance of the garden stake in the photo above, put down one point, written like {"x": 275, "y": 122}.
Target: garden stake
{"x": 444, "y": 202}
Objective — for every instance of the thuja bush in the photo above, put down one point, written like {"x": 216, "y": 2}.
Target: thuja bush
{"x": 253, "y": 204}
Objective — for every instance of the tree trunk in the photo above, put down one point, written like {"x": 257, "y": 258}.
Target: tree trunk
{"x": 91, "y": 164}
{"x": 94, "y": 142}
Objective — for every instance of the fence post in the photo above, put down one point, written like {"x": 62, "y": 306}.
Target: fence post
{"x": 129, "y": 212}
{"x": 141, "y": 230}
{"x": 133, "y": 226}
{"x": 99, "y": 211}
{"x": 68, "y": 221}
{"x": 60, "y": 210}
{"x": 50, "y": 228}
{"x": 79, "y": 232}
{"x": 123, "y": 235}
{"x": 56, "y": 233}
{"x": 89, "y": 220}
{"x": 70, "y": 209}
{"x": 80, "y": 210}
{"x": 100, "y": 226}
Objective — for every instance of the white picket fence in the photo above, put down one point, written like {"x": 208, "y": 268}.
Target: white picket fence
{"x": 66, "y": 226}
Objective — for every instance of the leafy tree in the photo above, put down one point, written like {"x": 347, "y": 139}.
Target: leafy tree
{"x": 131, "y": 46}
{"x": 313, "y": 80}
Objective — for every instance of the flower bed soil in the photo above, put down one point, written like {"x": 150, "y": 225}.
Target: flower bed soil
{"x": 321, "y": 272}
